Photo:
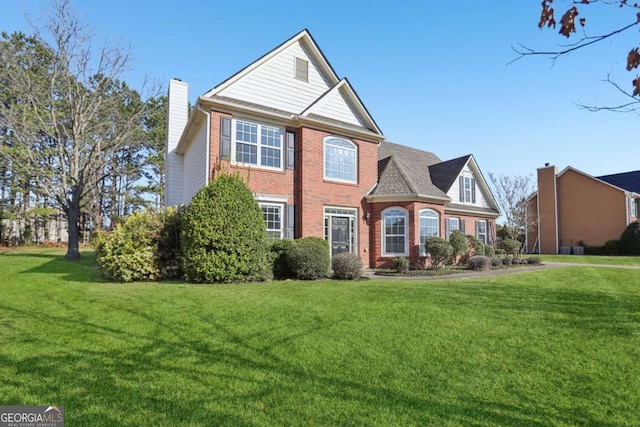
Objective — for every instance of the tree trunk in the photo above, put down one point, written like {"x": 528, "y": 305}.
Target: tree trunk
{"x": 73, "y": 217}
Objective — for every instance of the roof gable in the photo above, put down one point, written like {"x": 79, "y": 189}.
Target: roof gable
{"x": 445, "y": 174}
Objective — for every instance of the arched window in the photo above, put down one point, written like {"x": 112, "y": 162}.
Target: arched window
{"x": 394, "y": 232}
{"x": 340, "y": 160}
{"x": 429, "y": 226}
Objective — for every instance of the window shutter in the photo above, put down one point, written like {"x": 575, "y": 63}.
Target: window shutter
{"x": 447, "y": 228}
{"x": 462, "y": 227}
{"x": 461, "y": 182}
{"x": 225, "y": 138}
{"x": 290, "y": 221}
{"x": 490, "y": 232}
{"x": 477, "y": 228}
{"x": 291, "y": 150}
{"x": 473, "y": 190}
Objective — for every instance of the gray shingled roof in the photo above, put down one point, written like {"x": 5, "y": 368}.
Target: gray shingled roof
{"x": 629, "y": 181}
{"x": 404, "y": 170}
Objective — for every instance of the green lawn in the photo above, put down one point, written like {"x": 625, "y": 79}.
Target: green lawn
{"x": 593, "y": 259}
{"x": 557, "y": 347}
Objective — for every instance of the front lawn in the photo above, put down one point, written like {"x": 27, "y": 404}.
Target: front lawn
{"x": 593, "y": 259}
{"x": 556, "y": 347}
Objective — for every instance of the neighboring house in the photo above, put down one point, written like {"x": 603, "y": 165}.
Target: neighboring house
{"x": 316, "y": 161}
{"x": 572, "y": 208}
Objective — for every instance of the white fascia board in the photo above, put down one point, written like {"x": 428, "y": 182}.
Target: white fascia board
{"x": 483, "y": 182}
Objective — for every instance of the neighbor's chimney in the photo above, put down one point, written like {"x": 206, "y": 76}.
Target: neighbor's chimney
{"x": 177, "y": 116}
{"x": 548, "y": 209}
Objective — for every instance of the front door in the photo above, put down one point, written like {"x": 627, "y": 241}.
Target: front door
{"x": 339, "y": 234}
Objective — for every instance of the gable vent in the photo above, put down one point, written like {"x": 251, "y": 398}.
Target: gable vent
{"x": 301, "y": 71}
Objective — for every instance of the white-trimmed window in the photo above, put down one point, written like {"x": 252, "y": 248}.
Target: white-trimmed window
{"x": 450, "y": 225}
{"x": 340, "y": 160}
{"x": 634, "y": 207}
{"x": 467, "y": 189}
{"x": 257, "y": 144}
{"x": 273, "y": 215}
{"x": 481, "y": 231}
{"x": 394, "y": 232}
{"x": 429, "y": 226}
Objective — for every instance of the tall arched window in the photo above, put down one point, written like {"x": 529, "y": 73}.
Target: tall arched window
{"x": 394, "y": 232}
{"x": 429, "y": 226}
{"x": 340, "y": 160}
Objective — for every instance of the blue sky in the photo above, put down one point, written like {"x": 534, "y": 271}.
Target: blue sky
{"x": 434, "y": 75}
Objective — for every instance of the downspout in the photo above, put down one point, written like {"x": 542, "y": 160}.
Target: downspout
{"x": 208, "y": 144}
{"x": 627, "y": 202}
{"x": 555, "y": 207}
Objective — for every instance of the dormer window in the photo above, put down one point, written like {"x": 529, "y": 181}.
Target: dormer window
{"x": 467, "y": 189}
{"x": 301, "y": 69}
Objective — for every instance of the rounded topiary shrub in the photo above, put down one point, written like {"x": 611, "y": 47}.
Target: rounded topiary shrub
{"x": 459, "y": 243}
{"x": 510, "y": 246}
{"x": 475, "y": 245}
{"x": 278, "y": 250}
{"x": 630, "y": 239}
{"x": 479, "y": 263}
{"x": 309, "y": 259}
{"x": 130, "y": 252}
{"x": 534, "y": 260}
{"x": 489, "y": 250}
{"x": 401, "y": 264}
{"x": 612, "y": 247}
{"x": 224, "y": 237}
{"x": 346, "y": 266}
{"x": 439, "y": 250}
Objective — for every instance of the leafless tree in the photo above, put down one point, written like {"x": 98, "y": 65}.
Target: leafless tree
{"x": 66, "y": 111}
{"x": 512, "y": 193}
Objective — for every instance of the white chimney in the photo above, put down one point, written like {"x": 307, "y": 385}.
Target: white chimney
{"x": 177, "y": 116}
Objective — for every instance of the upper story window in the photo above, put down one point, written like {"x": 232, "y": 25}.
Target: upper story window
{"x": 258, "y": 144}
{"x": 467, "y": 189}
{"x": 340, "y": 160}
{"x": 429, "y": 227}
{"x": 394, "y": 232}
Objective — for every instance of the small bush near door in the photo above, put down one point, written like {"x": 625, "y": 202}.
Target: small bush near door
{"x": 309, "y": 259}
{"x": 346, "y": 266}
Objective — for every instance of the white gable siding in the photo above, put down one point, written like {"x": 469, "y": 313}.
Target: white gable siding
{"x": 336, "y": 107}
{"x": 195, "y": 165}
{"x": 177, "y": 115}
{"x": 273, "y": 84}
{"x": 454, "y": 191}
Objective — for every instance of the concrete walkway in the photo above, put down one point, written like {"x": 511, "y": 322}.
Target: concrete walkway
{"x": 370, "y": 273}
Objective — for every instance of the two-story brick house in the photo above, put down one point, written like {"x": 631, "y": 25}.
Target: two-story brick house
{"x": 310, "y": 151}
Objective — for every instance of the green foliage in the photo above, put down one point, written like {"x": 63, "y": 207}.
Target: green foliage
{"x": 346, "y": 266}
{"x": 594, "y": 250}
{"x": 459, "y": 243}
{"x": 489, "y": 250}
{"x": 475, "y": 244}
{"x": 278, "y": 250}
{"x": 224, "y": 236}
{"x": 612, "y": 247}
{"x": 144, "y": 247}
{"x": 534, "y": 260}
{"x": 479, "y": 263}
{"x": 510, "y": 246}
{"x": 309, "y": 259}
{"x": 439, "y": 250}
{"x": 630, "y": 239}
{"x": 401, "y": 264}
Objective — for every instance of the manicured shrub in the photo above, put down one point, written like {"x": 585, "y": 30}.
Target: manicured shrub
{"x": 346, "y": 266}
{"x": 479, "y": 263}
{"x": 534, "y": 260}
{"x": 499, "y": 251}
{"x": 510, "y": 246}
{"x": 489, "y": 250}
{"x": 612, "y": 247}
{"x": 496, "y": 261}
{"x": 309, "y": 259}
{"x": 439, "y": 250}
{"x": 459, "y": 243}
{"x": 144, "y": 246}
{"x": 278, "y": 250}
{"x": 224, "y": 236}
{"x": 401, "y": 264}
{"x": 506, "y": 260}
{"x": 594, "y": 250}
{"x": 630, "y": 239}
{"x": 475, "y": 245}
